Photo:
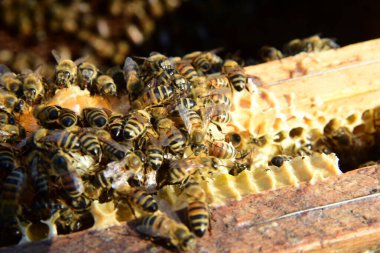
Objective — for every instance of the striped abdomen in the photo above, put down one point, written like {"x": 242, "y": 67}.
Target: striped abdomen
{"x": 198, "y": 215}
{"x": 143, "y": 200}
{"x": 238, "y": 79}
{"x": 222, "y": 150}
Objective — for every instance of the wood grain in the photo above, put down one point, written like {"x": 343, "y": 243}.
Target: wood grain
{"x": 289, "y": 219}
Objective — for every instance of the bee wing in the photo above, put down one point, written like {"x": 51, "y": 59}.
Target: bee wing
{"x": 4, "y": 69}
{"x": 56, "y": 55}
{"x": 206, "y": 114}
{"x": 81, "y": 60}
{"x": 183, "y": 112}
{"x": 129, "y": 65}
{"x": 166, "y": 209}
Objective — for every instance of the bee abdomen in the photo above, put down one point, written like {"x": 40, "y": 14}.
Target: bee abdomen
{"x": 198, "y": 217}
{"x": 144, "y": 200}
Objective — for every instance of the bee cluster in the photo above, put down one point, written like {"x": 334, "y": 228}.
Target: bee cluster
{"x": 175, "y": 137}
{"x": 110, "y": 29}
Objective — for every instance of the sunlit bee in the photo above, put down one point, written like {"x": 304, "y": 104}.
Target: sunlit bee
{"x": 7, "y": 160}
{"x": 11, "y": 103}
{"x": 101, "y": 180}
{"x": 10, "y": 194}
{"x": 235, "y": 74}
{"x": 59, "y": 139}
{"x": 47, "y": 116}
{"x": 219, "y": 81}
{"x": 181, "y": 84}
{"x": 279, "y": 160}
{"x": 161, "y": 226}
{"x": 80, "y": 204}
{"x": 180, "y": 170}
{"x": 155, "y": 96}
{"x": 136, "y": 124}
{"x": 185, "y": 103}
{"x": 220, "y": 100}
{"x": 70, "y": 180}
{"x": 95, "y": 117}
{"x": 9, "y": 80}
{"x": 87, "y": 73}
{"x": 11, "y": 133}
{"x": 32, "y": 87}
{"x": 90, "y": 145}
{"x": 141, "y": 199}
{"x": 65, "y": 71}
{"x": 131, "y": 75}
{"x": 187, "y": 70}
{"x": 222, "y": 150}
{"x": 113, "y": 150}
{"x": 197, "y": 208}
{"x": 270, "y": 54}
{"x": 135, "y": 160}
{"x": 116, "y": 126}
{"x": 154, "y": 153}
{"x": 170, "y": 136}
{"x": 106, "y": 86}
{"x": 165, "y": 77}
{"x": 39, "y": 176}
{"x": 67, "y": 118}
{"x": 221, "y": 115}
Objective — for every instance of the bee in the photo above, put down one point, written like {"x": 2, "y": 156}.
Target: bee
{"x": 270, "y": 54}
{"x": 222, "y": 150}
{"x": 10, "y": 103}
{"x": 218, "y": 81}
{"x": 161, "y": 226}
{"x": 181, "y": 84}
{"x": 170, "y": 136}
{"x": 221, "y": 100}
{"x": 376, "y": 119}
{"x": 311, "y": 44}
{"x": 7, "y": 160}
{"x": 70, "y": 180}
{"x": 95, "y": 117}
{"x": 116, "y": 126}
{"x": 141, "y": 199}
{"x": 154, "y": 96}
{"x": 186, "y": 70}
{"x": 221, "y": 115}
{"x": 47, "y": 116}
{"x": 131, "y": 75}
{"x": 66, "y": 70}
{"x": 6, "y": 118}
{"x": 105, "y": 85}
{"x": 180, "y": 170}
{"x": 90, "y": 145}
{"x": 10, "y": 81}
{"x": 185, "y": 103}
{"x": 157, "y": 62}
{"x": 203, "y": 61}
{"x": 33, "y": 88}
{"x": 154, "y": 152}
{"x": 80, "y": 204}
{"x": 87, "y": 73}
{"x": 235, "y": 74}
{"x": 136, "y": 124}
{"x": 67, "y": 118}
{"x": 57, "y": 139}
{"x": 10, "y": 195}
{"x": 278, "y": 160}
{"x": 197, "y": 208}
{"x": 113, "y": 150}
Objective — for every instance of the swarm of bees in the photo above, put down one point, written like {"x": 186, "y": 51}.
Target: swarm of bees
{"x": 175, "y": 134}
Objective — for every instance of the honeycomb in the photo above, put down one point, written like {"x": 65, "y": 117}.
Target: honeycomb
{"x": 307, "y": 144}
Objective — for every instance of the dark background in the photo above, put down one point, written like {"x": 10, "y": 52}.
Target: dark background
{"x": 244, "y": 26}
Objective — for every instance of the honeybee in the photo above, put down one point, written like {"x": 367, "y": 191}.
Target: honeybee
{"x": 221, "y": 115}
{"x": 161, "y": 226}
{"x": 47, "y": 116}
{"x": 87, "y": 73}
{"x": 203, "y": 61}
{"x": 141, "y": 199}
{"x": 95, "y": 117}
{"x": 10, "y": 103}
{"x": 33, "y": 88}
{"x": 376, "y": 119}
{"x": 10, "y": 81}
{"x": 235, "y": 74}
{"x": 154, "y": 96}
{"x": 278, "y": 160}
{"x": 6, "y": 118}
{"x": 7, "y": 160}
{"x": 116, "y": 126}
{"x": 170, "y": 136}
{"x": 131, "y": 75}
{"x": 39, "y": 176}
{"x": 105, "y": 85}
{"x": 270, "y": 54}
{"x": 180, "y": 170}
{"x": 65, "y": 71}
{"x": 222, "y": 150}
{"x": 136, "y": 124}
{"x": 181, "y": 84}
{"x": 113, "y": 150}
{"x": 154, "y": 152}
{"x": 311, "y": 44}
{"x": 57, "y": 139}
{"x": 67, "y": 118}
{"x": 157, "y": 62}
{"x": 186, "y": 70}
{"x": 70, "y": 180}
{"x": 197, "y": 207}
{"x": 90, "y": 145}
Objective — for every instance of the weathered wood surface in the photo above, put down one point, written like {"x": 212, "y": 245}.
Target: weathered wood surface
{"x": 340, "y": 214}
